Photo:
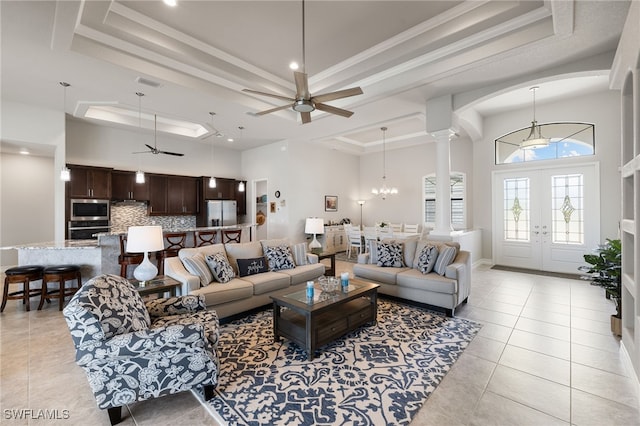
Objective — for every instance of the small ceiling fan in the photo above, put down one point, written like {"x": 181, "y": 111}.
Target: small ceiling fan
{"x": 304, "y": 102}
{"x": 154, "y": 149}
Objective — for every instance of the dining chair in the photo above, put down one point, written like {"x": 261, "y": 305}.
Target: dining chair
{"x": 355, "y": 240}
{"x": 396, "y": 227}
{"x": 411, "y": 228}
{"x": 370, "y": 235}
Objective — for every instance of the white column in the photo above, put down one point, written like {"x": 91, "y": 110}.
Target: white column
{"x": 443, "y": 226}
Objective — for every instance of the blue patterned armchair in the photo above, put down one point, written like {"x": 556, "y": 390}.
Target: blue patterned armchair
{"x": 131, "y": 351}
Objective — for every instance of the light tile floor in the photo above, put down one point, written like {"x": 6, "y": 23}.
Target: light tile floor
{"x": 544, "y": 356}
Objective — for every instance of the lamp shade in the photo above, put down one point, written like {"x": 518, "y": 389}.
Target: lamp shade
{"x": 314, "y": 225}
{"x": 142, "y": 239}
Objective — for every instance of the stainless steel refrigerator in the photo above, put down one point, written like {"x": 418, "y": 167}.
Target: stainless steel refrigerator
{"x": 222, "y": 213}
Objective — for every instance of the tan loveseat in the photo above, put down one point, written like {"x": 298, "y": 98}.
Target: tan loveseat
{"x": 243, "y": 293}
{"x": 407, "y": 282}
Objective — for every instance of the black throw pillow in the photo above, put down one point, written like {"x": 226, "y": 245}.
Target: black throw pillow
{"x": 252, "y": 266}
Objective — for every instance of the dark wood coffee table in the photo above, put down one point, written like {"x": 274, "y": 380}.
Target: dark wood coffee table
{"x": 312, "y": 324}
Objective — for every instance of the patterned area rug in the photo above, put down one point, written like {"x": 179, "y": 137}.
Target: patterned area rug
{"x": 377, "y": 375}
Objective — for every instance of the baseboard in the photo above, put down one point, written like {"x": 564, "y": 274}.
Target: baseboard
{"x": 628, "y": 364}
{"x": 481, "y": 262}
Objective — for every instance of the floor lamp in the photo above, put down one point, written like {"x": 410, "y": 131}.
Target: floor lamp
{"x": 361, "y": 202}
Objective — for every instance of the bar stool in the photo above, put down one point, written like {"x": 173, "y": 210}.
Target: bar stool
{"x": 125, "y": 259}
{"x": 231, "y": 235}
{"x": 205, "y": 238}
{"x": 21, "y": 275}
{"x": 60, "y": 274}
{"x": 174, "y": 242}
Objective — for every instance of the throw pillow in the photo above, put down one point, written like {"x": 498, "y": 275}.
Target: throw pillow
{"x": 427, "y": 259}
{"x": 373, "y": 252}
{"x": 300, "y": 254}
{"x": 197, "y": 265}
{"x": 279, "y": 258}
{"x": 446, "y": 256}
{"x": 220, "y": 267}
{"x": 251, "y": 266}
{"x": 390, "y": 255}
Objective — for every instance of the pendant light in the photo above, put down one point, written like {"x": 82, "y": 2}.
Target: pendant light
{"x": 139, "y": 173}
{"x": 212, "y": 179}
{"x": 65, "y": 173}
{"x": 535, "y": 138}
{"x": 383, "y": 191}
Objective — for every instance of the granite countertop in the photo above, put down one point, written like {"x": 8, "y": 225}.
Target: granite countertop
{"x": 200, "y": 228}
{"x": 58, "y": 245}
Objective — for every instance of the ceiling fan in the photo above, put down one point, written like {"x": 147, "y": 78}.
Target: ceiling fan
{"x": 154, "y": 149}
{"x": 304, "y": 102}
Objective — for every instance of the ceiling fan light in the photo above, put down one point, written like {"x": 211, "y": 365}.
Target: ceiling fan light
{"x": 212, "y": 182}
{"x": 303, "y": 105}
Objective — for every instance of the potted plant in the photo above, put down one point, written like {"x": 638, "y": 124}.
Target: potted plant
{"x": 605, "y": 270}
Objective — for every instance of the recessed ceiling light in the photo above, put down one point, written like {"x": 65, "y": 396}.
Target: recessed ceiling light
{"x": 171, "y": 3}
{"x": 230, "y": 140}
{"x": 293, "y": 65}
{"x": 24, "y": 151}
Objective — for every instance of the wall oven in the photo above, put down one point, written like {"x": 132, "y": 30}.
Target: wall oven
{"x": 87, "y": 218}
{"x": 88, "y": 209}
{"x": 87, "y": 229}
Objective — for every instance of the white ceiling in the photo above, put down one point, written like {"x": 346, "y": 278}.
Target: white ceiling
{"x": 203, "y": 53}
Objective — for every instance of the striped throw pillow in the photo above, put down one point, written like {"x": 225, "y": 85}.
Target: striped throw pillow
{"x": 197, "y": 265}
{"x": 299, "y": 254}
{"x": 446, "y": 256}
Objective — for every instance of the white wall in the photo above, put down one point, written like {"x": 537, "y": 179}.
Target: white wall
{"x": 303, "y": 173}
{"x": 405, "y": 169}
{"x": 26, "y": 179}
{"x": 95, "y": 145}
{"x": 27, "y": 208}
{"x": 602, "y": 109}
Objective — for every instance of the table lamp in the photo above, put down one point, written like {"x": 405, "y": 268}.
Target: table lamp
{"x": 143, "y": 239}
{"x": 314, "y": 225}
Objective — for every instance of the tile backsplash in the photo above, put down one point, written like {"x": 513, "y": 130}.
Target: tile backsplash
{"x": 125, "y": 215}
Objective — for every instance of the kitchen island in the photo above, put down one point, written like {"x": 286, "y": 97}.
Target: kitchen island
{"x": 97, "y": 256}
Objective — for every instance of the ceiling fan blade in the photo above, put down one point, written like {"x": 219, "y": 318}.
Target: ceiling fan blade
{"x": 354, "y": 91}
{"x": 334, "y": 110}
{"x": 302, "y": 85}
{"x": 273, "y": 95}
{"x": 273, "y": 110}
{"x": 306, "y": 117}
{"x": 141, "y": 152}
{"x": 171, "y": 153}
{"x": 151, "y": 148}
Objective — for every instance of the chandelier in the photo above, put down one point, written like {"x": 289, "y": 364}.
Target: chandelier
{"x": 384, "y": 190}
{"x": 535, "y": 138}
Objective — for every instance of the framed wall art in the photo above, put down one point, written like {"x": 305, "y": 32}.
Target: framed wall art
{"x": 330, "y": 203}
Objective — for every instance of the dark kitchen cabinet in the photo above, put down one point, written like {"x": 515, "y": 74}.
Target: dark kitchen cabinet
{"x": 124, "y": 187}
{"x": 224, "y": 190}
{"x": 158, "y": 201}
{"x": 89, "y": 182}
{"x": 182, "y": 195}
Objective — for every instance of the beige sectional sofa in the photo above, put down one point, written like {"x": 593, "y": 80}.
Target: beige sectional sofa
{"x": 243, "y": 293}
{"x": 408, "y": 282}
